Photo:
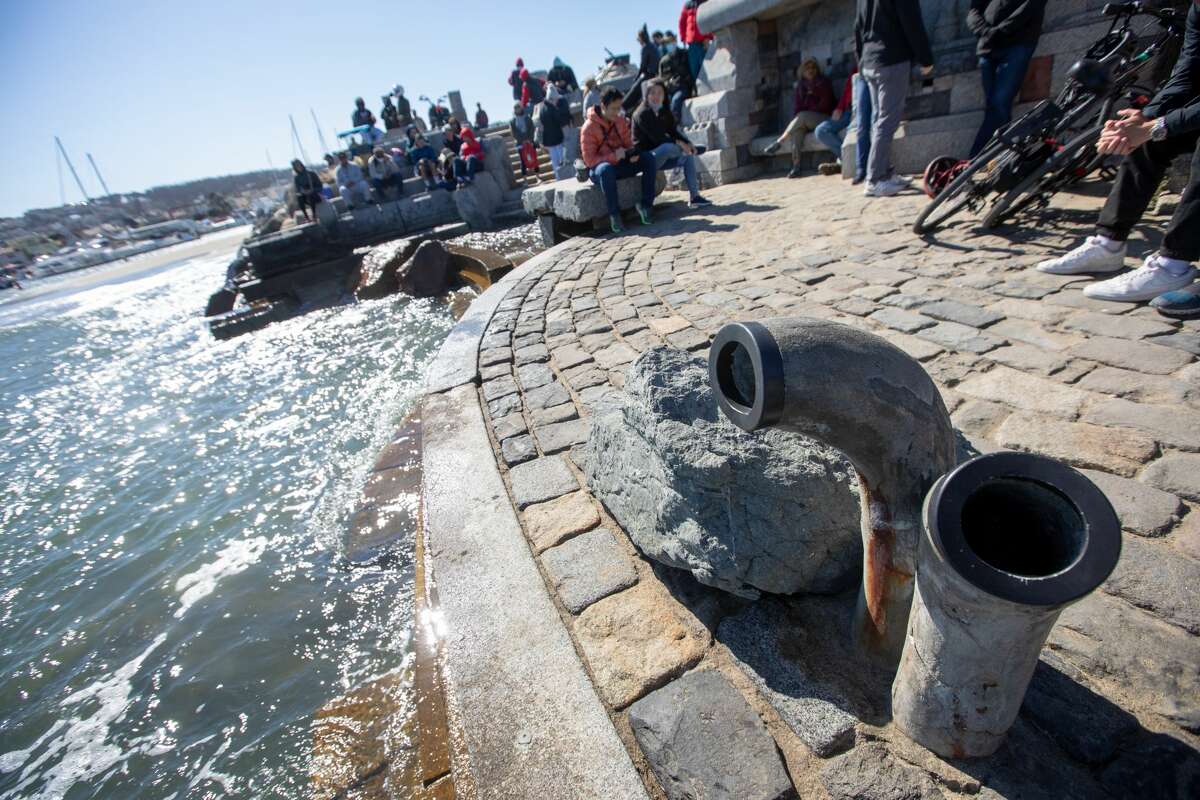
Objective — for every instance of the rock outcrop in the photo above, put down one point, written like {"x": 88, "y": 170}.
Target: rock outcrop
{"x": 769, "y": 511}
{"x": 430, "y": 271}
{"x": 377, "y": 276}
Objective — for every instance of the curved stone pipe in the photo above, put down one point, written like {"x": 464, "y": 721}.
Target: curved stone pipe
{"x": 1010, "y": 540}
{"x": 856, "y": 392}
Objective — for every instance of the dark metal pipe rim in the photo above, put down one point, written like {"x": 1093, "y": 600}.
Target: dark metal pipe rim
{"x": 765, "y": 408}
{"x": 1101, "y": 529}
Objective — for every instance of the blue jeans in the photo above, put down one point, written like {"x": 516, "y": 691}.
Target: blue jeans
{"x": 606, "y": 175}
{"x": 862, "y": 126}
{"x": 677, "y": 105}
{"x": 467, "y": 168}
{"x": 1002, "y": 72}
{"x": 670, "y": 155}
{"x": 696, "y": 51}
{"x": 831, "y": 132}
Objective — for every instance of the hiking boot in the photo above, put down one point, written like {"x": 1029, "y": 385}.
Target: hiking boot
{"x": 1180, "y": 304}
{"x": 1090, "y": 257}
{"x": 699, "y": 200}
{"x": 884, "y": 188}
{"x": 644, "y": 214}
{"x": 1144, "y": 283}
{"x": 830, "y": 168}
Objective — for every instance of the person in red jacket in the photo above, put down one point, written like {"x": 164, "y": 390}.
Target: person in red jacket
{"x": 470, "y": 159}
{"x": 692, "y": 38}
{"x": 812, "y": 104}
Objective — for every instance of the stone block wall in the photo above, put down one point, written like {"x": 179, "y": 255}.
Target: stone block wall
{"x": 748, "y": 78}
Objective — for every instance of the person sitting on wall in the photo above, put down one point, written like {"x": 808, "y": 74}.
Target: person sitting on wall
{"x": 655, "y": 131}
{"x": 389, "y": 114}
{"x": 676, "y": 75}
{"x": 420, "y": 150}
{"x": 481, "y": 117}
{"x": 432, "y": 176}
{"x": 522, "y": 133}
{"x": 812, "y": 103}
{"x": 352, "y": 184}
{"x": 308, "y": 189}
{"x": 452, "y": 136}
{"x": 563, "y": 77}
{"x": 1008, "y": 32}
{"x": 609, "y": 155}
{"x": 470, "y": 161}
{"x": 647, "y": 70}
{"x": 832, "y": 132}
{"x": 384, "y": 175}
{"x": 1150, "y": 139}
{"x": 363, "y": 116}
{"x": 691, "y": 37}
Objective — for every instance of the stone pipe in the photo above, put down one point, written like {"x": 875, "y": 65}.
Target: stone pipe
{"x": 862, "y": 395}
{"x": 1010, "y": 539}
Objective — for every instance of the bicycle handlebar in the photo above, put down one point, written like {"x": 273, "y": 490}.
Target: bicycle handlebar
{"x": 1118, "y": 9}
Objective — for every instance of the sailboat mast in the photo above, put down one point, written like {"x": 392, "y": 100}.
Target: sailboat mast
{"x": 320, "y": 136}
{"x": 296, "y": 137}
{"x": 71, "y": 166}
{"x": 99, "y": 177}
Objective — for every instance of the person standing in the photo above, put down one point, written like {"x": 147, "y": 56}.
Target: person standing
{"x": 389, "y": 114}
{"x": 1008, "y": 33}
{"x": 562, "y": 76}
{"x": 812, "y": 103}
{"x": 656, "y": 131}
{"x": 889, "y": 37}
{"x": 552, "y": 117}
{"x": 522, "y": 133}
{"x": 481, "y": 117}
{"x": 1150, "y": 139}
{"x": 514, "y": 79}
{"x": 647, "y": 69}
{"x": 362, "y": 117}
{"x": 609, "y": 155}
{"x": 308, "y": 189}
{"x": 676, "y": 75}
{"x": 403, "y": 107}
{"x": 532, "y": 90}
{"x": 689, "y": 33}
{"x": 591, "y": 95}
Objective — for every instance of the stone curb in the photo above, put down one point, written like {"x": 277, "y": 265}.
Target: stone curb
{"x": 523, "y": 704}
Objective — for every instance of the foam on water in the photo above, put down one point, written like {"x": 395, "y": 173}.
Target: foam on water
{"x": 174, "y": 604}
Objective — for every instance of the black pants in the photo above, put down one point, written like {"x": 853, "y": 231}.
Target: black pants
{"x": 307, "y": 201}
{"x": 1136, "y": 183}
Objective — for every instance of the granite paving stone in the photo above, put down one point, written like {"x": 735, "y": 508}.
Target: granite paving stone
{"x": 548, "y": 416}
{"x": 552, "y": 394}
{"x": 962, "y": 313}
{"x": 954, "y": 336}
{"x": 1164, "y": 423}
{"x": 703, "y": 740}
{"x": 518, "y": 449}
{"x": 1030, "y": 310}
{"x": 1187, "y": 341}
{"x": 666, "y": 325}
{"x": 504, "y": 406}
{"x": 1178, "y": 473}
{"x": 1124, "y": 326}
{"x": 555, "y": 521}
{"x": 494, "y": 371}
{"x": 561, "y": 435}
{"x": 870, "y": 772}
{"x": 499, "y": 355}
{"x": 567, "y": 357}
{"x": 1028, "y": 358}
{"x": 532, "y": 376}
{"x": 541, "y": 479}
{"x": 495, "y": 389}
{"x": 1034, "y": 333}
{"x": 615, "y": 355}
{"x": 1137, "y": 356}
{"x": 1077, "y": 443}
{"x": 1153, "y": 576}
{"x": 1139, "y": 387}
{"x": 531, "y": 354}
{"x": 637, "y": 640}
{"x": 1029, "y": 392}
{"x": 587, "y": 568}
{"x": 1141, "y": 508}
{"x": 508, "y": 426}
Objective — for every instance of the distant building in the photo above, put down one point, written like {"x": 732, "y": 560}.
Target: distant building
{"x": 161, "y": 230}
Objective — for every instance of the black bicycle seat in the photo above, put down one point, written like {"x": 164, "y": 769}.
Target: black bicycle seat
{"x": 1091, "y": 75}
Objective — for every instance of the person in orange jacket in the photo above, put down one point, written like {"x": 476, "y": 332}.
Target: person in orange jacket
{"x": 608, "y": 152}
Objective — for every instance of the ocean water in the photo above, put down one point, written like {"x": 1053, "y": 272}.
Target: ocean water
{"x": 174, "y": 598}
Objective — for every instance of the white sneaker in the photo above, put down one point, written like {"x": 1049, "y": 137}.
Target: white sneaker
{"x": 1144, "y": 283}
{"x": 1089, "y": 257}
{"x": 885, "y": 188}
{"x": 904, "y": 180}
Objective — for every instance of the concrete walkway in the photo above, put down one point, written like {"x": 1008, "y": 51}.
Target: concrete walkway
{"x": 1024, "y": 361}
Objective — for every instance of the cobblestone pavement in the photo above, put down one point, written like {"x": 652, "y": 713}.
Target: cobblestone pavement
{"x": 1024, "y": 362}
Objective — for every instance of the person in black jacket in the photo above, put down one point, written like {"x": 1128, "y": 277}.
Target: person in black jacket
{"x": 888, "y": 37}
{"x": 308, "y": 189}
{"x": 676, "y": 74}
{"x": 562, "y": 76}
{"x": 553, "y": 114}
{"x": 656, "y": 131}
{"x": 1150, "y": 139}
{"x": 647, "y": 70}
{"x": 1008, "y": 32}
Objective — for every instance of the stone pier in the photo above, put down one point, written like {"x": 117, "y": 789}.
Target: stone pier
{"x": 576, "y": 667}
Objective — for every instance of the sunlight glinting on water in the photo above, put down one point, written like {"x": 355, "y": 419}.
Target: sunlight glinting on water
{"x": 174, "y": 603}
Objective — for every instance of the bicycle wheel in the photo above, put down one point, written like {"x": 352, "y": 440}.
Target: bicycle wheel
{"x": 957, "y": 194}
{"x": 1048, "y": 178}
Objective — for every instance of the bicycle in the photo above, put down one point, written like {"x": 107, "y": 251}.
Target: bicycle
{"x": 1053, "y": 144}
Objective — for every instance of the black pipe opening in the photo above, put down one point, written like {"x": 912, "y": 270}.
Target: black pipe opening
{"x": 1023, "y": 527}
{"x": 735, "y": 375}
{"x": 745, "y": 370}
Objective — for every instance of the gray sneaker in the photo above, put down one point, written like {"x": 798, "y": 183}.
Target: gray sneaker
{"x": 884, "y": 188}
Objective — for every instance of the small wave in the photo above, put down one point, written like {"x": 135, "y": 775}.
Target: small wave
{"x": 232, "y": 559}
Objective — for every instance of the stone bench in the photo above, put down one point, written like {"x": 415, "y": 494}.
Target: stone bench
{"x": 567, "y": 208}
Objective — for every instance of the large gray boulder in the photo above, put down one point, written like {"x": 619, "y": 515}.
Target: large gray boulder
{"x": 744, "y": 512}
{"x": 430, "y": 272}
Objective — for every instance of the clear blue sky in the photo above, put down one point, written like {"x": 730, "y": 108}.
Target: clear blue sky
{"x": 161, "y": 91}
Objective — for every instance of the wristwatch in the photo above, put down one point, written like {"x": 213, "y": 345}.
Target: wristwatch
{"x": 1159, "y": 132}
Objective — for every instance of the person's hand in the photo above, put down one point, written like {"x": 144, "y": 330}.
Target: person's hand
{"x": 620, "y": 151}
{"x": 927, "y": 70}
{"x": 633, "y": 158}
{"x": 688, "y": 148}
{"x": 837, "y": 114}
{"x": 1125, "y": 134}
